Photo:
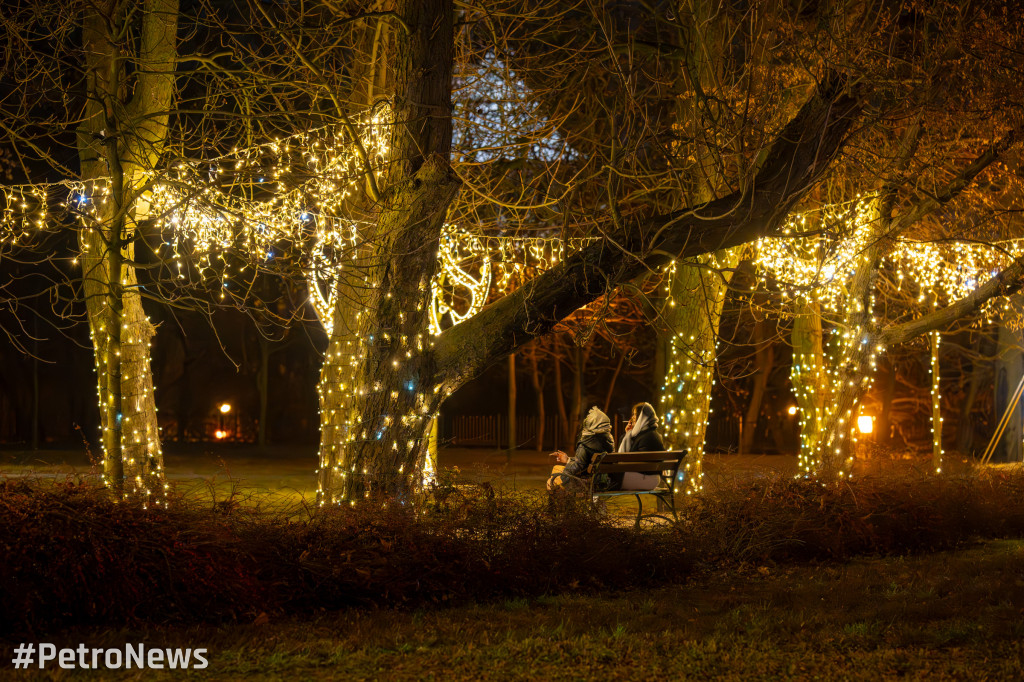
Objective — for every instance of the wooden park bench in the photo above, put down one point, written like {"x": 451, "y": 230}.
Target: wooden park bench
{"x": 663, "y": 464}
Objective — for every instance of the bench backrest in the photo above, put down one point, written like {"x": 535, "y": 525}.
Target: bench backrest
{"x": 666, "y": 464}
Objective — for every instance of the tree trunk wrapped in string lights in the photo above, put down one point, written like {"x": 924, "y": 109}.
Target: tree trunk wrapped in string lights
{"x": 375, "y": 417}
{"x": 697, "y": 291}
{"x": 119, "y": 144}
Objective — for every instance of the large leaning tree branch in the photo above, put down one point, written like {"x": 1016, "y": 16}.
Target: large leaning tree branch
{"x": 799, "y": 156}
{"x": 1008, "y": 281}
{"x": 959, "y": 183}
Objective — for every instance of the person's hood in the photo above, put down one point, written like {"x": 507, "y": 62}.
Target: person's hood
{"x": 647, "y": 419}
{"x": 596, "y": 422}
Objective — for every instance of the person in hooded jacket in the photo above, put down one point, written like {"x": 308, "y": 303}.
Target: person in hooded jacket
{"x": 642, "y": 431}
{"x": 595, "y": 438}
{"x": 641, "y": 436}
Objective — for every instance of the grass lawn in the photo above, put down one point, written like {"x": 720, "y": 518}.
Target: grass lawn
{"x": 954, "y": 615}
{"x": 288, "y": 473}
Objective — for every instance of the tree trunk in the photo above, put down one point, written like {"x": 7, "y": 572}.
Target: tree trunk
{"x": 578, "y": 410}
{"x": 123, "y": 142}
{"x": 764, "y": 359}
{"x": 538, "y": 388}
{"x": 184, "y": 402}
{"x": 830, "y": 384}
{"x": 883, "y": 430}
{"x": 698, "y": 290}
{"x": 34, "y": 437}
{"x": 1009, "y": 368}
{"x": 512, "y": 438}
{"x": 611, "y": 384}
{"x": 375, "y": 419}
{"x": 563, "y": 419}
{"x": 809, "y": 377}
{"x": 262, "y": 381}
{"x": 965, "y": 425}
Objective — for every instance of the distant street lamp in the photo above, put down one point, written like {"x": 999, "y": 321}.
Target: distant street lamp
{"x": 791, "y": 410}
{"x": 865, "y": 423}
{"x": 221, "y": 433}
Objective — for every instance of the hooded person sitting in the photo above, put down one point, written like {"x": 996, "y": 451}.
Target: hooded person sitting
{"x": 641, "y": 436}
{"x": 595, "y": 438}
{"x": 642, "y": 431}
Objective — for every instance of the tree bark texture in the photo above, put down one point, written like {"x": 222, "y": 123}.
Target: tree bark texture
{"x": 697, "y": 295}
{"x": 538, "y": 388}
{"x": 375, "y": 419}
{"x": 121, "y": 141}
{"x": 512, "y": 444}
{"x": 764, "y": 360}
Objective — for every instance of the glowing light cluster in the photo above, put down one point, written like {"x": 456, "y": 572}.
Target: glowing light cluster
{"x": 454, "y": 251}
{"x": 822, "y": 259}
{"x": 812, "y": 264}
{"x": 24, "y": 210}
{"x": 472, "y": 267}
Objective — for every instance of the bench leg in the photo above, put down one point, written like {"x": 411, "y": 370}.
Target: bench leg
{"x": 639, "y": 510}
{"x": 669, "y": 501}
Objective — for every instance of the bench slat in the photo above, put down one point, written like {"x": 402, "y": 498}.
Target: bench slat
{"x": 642, "y": 467}
{"x": 616, "y": 457}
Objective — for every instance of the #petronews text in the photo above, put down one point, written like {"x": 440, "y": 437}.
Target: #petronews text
{"x": 111, "y": 658}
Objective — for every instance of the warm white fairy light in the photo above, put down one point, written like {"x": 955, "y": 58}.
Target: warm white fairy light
{"x": 937, "y": 451}
{"x": 823, "y": 260}
{"x": 452, "y": 255}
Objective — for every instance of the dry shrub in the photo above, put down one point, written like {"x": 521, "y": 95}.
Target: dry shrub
{"x": 475, "y": 543}
{"x": 74, "y": 557}
{"x": 783, "y": 519}
{"x": 71, "y": 556}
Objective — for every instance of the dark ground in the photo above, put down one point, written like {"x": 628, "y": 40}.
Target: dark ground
{"x": 943, "y": 616}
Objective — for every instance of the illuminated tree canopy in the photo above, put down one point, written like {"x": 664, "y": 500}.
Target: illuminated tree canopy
{"x": 405, "y": 162}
